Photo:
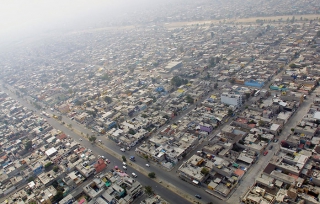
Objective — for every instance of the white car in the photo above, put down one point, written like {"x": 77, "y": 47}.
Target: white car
{"x": 124, "y": 167}
{"x": 134, "y": 175}
{"x": 124, "y": 163}
{"x": 147, "y": 165}
{"x": 80, "y": 139}
{"x": 100, "y": 141}
{"x": 122, "y": 150}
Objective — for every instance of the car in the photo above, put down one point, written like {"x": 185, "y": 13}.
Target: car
{"x": 51, "y": 109}
{"x": 124, "y": 163}
{"x": 124, "y": 167}
{"x": 100, "y": 141}
{"x": 102, "y": 157}
{"x": 275, "y": 140}
{"x": 122, "y": 150}
{"x": 108, "y": 161}
{"x": 134, "y": 175}
{"x": 197, "y": 196}
{"x": 80, "y": 139}
{"x": 132, "y": 158}
{"x": 271, "y": 147}
{"x": 265, "y": 153}
{"x": 147, "y": 165}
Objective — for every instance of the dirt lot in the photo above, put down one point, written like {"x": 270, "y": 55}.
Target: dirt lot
{"x": 242, "y": 20}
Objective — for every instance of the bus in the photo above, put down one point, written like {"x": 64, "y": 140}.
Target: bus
{"x": 257, "y": 93}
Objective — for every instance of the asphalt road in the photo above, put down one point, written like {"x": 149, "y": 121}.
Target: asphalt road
{"x": 167, "y": 194}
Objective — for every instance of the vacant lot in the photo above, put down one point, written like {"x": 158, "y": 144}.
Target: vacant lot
{"x": 242, "y": 20}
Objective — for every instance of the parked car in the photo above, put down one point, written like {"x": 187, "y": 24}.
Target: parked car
{"x": 108, "y": 161}
{"x": 134, "y": 175}
{"x": 122, "y": 150}
{"x": 265, "y": 153}
{"x": 80, "y": 139}
{"x": 271, "y": 147}
{"x": 147, "y": 165}
{"x": 124, "y": 167}
{"x": 275, "y": 140}
{"x": 124, "y": 163}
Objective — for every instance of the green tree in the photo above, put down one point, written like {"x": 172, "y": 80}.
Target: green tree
{"x": 148, "y": 190}
{"x": 178, "y": 81}
{"x": 30, "y": 179}
{"x": 28, "y": 145}
{"x": 293, "y": 65}
{"x": 204, "y": 171}
{"x": 212, "y": 62}
{"x": 189, "y": 99}
{"x": 247, "y": 95}
{"x": 55, "y": 168}
{"x": 58, "y": 196}
{"x": 261, "y": 123}
{"x": 132, "y": 132}
{"x": 181, "y": 49}
{"x": 152, "y": 175}
{"x": 92, "y": 139}
{"x": 166, "y": 117}
{"x": 292, "y": 129}
{"x": 108, "y": 99}
{"x": 124, "y": 158}
{"x": 64, "y": 85}
{"x": 105, "y": 77}
{"x": 144, "y": 115}
{"x": 48, "y": 165}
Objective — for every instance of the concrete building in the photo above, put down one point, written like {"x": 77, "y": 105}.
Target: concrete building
{"x": 231, "y": 99}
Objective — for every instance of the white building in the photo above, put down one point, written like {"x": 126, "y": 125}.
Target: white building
{"x": 231, "y": 99}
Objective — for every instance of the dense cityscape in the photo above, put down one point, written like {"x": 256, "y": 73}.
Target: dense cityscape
{"x": 181, "y": 102}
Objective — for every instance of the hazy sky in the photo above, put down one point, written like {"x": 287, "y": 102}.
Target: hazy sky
{"x": 21, "y": 20}
{"x": 23, "y": 17}
{"x": 21, "y": 13}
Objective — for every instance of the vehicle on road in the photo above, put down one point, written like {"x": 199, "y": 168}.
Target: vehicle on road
{"x": 122, "y": 150}
{"x": 124, "y": 167}
{"x": 132, "y": 158}
{"x": 100, "y": 141}
{"x": 265, "y": 153}
{"x": 124, "y": 163}
{"x": 80, "y": 139}
{"x": 197, "y": 196}
{"x": 134, "y": 175}
{"x": 275, "y": 140}
{"x": 147, "y": 165}
{"x": 271, "y": 147}
{"x": 108, "y": 161}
